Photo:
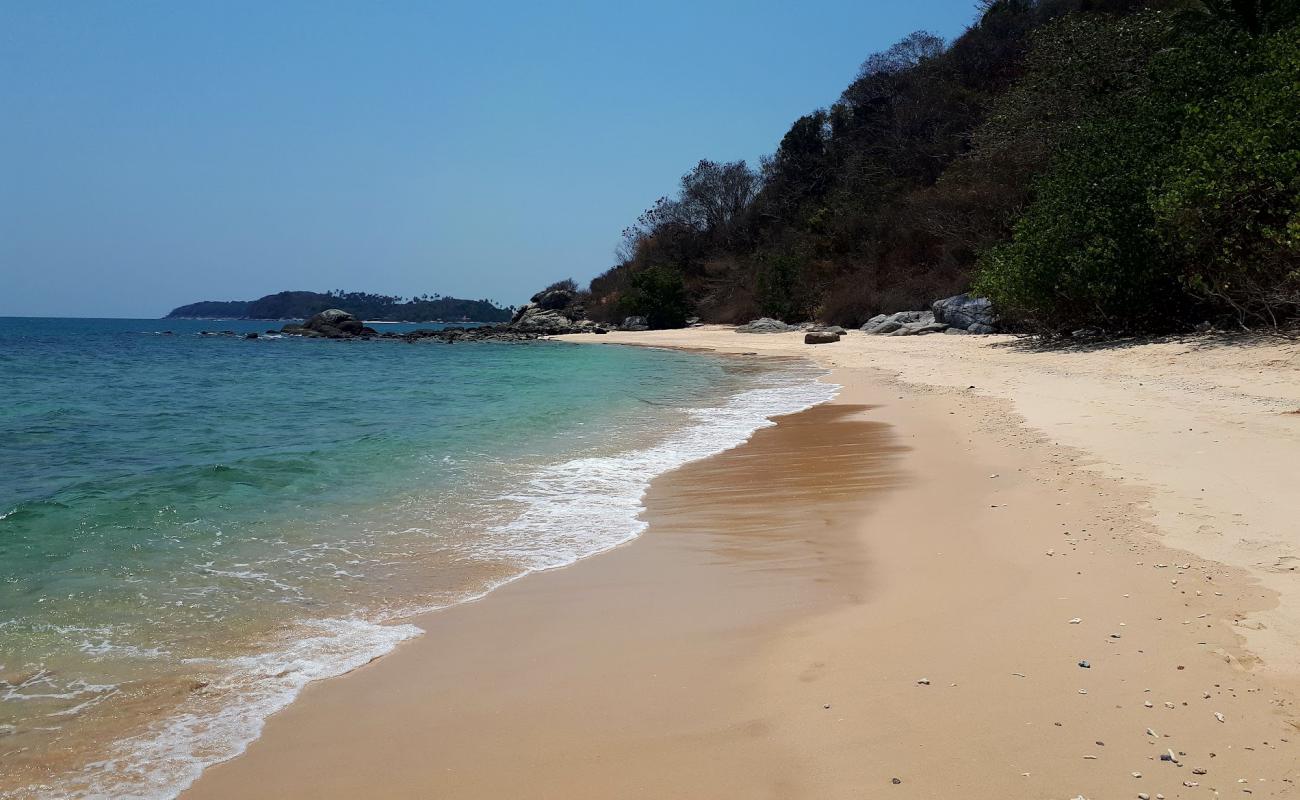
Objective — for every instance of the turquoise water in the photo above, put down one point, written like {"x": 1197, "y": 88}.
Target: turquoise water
{"x": 193, "y": 527}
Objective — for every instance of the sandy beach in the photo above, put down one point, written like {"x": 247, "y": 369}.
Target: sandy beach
{"x": 985, "y": 570}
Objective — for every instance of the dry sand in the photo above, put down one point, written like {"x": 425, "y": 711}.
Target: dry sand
{"x": 883, "y": 588}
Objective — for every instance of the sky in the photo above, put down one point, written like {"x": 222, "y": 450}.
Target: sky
{"x": 158, "y": 153}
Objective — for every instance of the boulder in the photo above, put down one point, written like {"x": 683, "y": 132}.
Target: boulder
{"x": 966, "y": 312}
{"x": 920, "y": 328}
{"x": 836, "y": 329}
{"x": 693, "y": 322}
{"x": 634, "y": 324}
{"x": 535, "y": 319}
{"x": 553, "y": 299}
{"x": 888, "y": 326}
{"x": 891, "y": 323}
{"x": 765, "y": 325}
{"x": 820, "y": 337}
{"x": 332, "y": 323}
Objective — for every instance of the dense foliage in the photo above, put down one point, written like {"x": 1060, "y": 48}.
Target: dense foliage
{"x": 301, "y": 305}
{"x": 659, "y": 295}
{"x": 1116, "y": 164}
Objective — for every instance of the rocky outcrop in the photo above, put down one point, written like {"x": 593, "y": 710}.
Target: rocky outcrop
{"x": 971, "y": 314}
{"x": 766, "y": 325}
{"x": 820, "y": 337}
{"x": 332, "y": 323}
{"x": 903, "y": 323}
{"x": 551, "y": 312}
{"x": 535, "y": 319}
{"x": 635, "y": 324}
{"x": 483, "y": 333}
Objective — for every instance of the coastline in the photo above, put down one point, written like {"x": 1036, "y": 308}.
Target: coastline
{"x": 634, "y": 673}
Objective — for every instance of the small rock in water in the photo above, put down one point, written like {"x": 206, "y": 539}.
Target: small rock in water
{"x": 1137, "y": 774}
{"x": 1075, "y": 621}
{"x": 1198, "y": 771}
{"x": 896, "y": 781}
{"x": 1219, "y": 717}
{"x": 1085, "y": 665}
{"x": 924, "y": 681}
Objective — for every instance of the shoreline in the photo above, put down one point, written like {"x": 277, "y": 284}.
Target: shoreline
{"x": 870, "y": 644}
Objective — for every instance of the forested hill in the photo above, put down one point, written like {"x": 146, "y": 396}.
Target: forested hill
{"x": 301, "y": 305}
{"x": 1122, "y": 165}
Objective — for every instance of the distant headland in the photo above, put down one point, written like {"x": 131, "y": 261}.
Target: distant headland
{"x": 366, "y": 306}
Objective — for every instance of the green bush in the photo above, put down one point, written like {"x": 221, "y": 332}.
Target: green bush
{"x": 1229, "y": 207}
{"x": 1171, "y": 203}
{"x": 658, "y": 294}
{"x": 784, "y": 290}
{"x": 1085, "y": 252}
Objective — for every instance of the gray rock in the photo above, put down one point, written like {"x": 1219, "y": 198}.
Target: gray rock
{"x": 920, "y": 328}
{"x": 693, "y": 322}
{"x": 890, "y": 323}
{"x": 765, "y": 325}
{"x": 886, "y": 327}
{"x": 536, "y": 319}
{"x": 332, "y": 323}
{"x": 963, "y": 311}
{"x": 634, "y": 324}
{"x": 836, "y": 329}
{"x": 553, "y": 299}
{"x": 979, "y": 327}
{"x": 957, "y": 332}
{"x": 820, "y": 337}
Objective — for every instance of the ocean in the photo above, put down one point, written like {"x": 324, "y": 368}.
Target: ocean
{"x": 193, "y": 527}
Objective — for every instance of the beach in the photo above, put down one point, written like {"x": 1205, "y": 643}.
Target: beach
{"x": 984, "y": 567}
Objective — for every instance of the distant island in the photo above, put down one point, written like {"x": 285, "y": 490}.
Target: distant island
{"x": 366, "y": 306}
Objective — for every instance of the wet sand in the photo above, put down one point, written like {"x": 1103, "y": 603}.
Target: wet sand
{"x": 881, "y": 588}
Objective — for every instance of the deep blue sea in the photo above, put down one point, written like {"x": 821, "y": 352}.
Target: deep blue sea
{"x": 194, "y": 527}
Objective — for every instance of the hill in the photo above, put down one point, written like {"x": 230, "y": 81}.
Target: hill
{"x": 302, "y": 305}
{"x": 1121, "y": 165}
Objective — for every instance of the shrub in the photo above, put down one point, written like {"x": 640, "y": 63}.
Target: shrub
{"x": 1085, "y": 253}
{"x": 658, "y": 294}
{"x": 1229, "y": 209}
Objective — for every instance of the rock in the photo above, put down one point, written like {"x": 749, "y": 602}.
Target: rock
{"x": 888, "y": 326}
{"x": 553, "y": 299}
{"x": 820, "y": 337}
{"x": 920, "y": 328}
{"x": 251, "y": 335}
{"x": 693, "y": 322}
{"x": 836, "y": 329}
{"x": 765, "y": 325}
{"x": 536, "y": 319}
{"x": 963, "y": 311}
{"x": 890, "y": 323}
{"x": 332, "y": 323}
{"x": 634, "y": 324}
{"x": 957, "y": 332}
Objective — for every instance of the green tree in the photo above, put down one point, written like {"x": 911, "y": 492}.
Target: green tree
{"x": 1229, "y": 207}
{"x": 658, "y": 294}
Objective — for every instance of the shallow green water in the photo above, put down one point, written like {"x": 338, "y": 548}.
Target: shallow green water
{"x": 191, "y": 527}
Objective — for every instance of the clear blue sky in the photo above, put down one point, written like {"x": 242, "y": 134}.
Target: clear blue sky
{"x": 157, "y": 153}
